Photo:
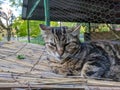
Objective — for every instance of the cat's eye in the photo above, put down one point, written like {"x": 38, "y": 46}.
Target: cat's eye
{"x": 70, "y": 43}
{"x": 67, "y": 44}
{"x": 52, "y": 44}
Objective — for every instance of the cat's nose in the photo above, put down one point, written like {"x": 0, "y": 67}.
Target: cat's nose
{"x": 60, "y": 52}
{"x": 60, "y": 57}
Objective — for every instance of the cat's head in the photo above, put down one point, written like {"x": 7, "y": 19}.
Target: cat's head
{"x": 61, "y": 41}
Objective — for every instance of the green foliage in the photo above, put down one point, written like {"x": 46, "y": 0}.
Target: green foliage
{"x": 69, "y": 24}
{"x": 34, "y": 28}
{"x": 83, "y": 29}
{"x": 99, "y": 27}
{"x": 103, "y": 28}
{"x": 0, "y": 38}
{"x": 21, "y": 56}
{"x": 54, "y": 24}
{"x": 20, "y": 26}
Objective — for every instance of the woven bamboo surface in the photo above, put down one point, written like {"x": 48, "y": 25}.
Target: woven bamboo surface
{"x": 36, "y": 70}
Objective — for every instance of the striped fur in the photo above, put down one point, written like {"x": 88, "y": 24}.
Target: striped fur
{"x": 93, "y": 59}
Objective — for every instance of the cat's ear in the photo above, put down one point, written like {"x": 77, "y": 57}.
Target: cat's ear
{"x": 76, "y": 30}
{"x": 44, "y": 27}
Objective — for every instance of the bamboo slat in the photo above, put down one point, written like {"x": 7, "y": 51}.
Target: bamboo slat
{"x": 35, "y": 70}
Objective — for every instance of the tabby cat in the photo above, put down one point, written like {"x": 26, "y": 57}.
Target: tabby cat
{"x": 91, "y": 59}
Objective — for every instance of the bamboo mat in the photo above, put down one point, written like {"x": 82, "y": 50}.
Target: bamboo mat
{"x": 36, "y": 70}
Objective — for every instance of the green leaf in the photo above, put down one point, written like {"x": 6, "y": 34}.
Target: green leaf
{"x": 21, "y": 56}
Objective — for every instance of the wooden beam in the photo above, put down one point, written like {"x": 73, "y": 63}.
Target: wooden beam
{"x": 28, "y": 29}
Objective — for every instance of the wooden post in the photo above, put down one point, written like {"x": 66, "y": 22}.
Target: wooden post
{"x": 28, "y": 29}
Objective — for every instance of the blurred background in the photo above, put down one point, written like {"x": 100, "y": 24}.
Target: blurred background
{"x": 14, "y": 28}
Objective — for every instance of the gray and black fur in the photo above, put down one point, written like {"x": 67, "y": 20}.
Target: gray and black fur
{"x": 92, "y": 59}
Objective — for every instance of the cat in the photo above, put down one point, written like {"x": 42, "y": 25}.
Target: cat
{"x": 90, "y": 59}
